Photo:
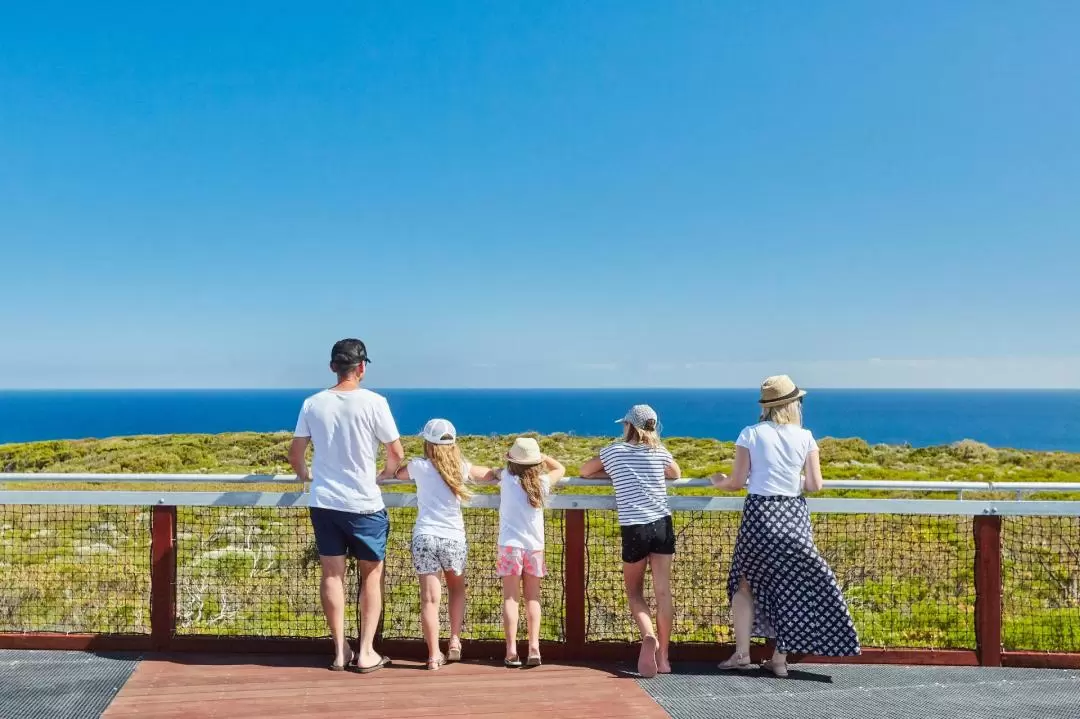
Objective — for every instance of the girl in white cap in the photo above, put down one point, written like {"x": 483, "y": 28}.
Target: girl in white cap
{"x": 523, "y": 487}
{"x": 639, "y": 466}
{"x": 438, "y": 542}
{"x": 779, "y": 586}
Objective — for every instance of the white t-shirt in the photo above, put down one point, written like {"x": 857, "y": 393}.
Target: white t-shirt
{"x": 520, "y": 524}
{"x": 777, "y": 457}
{"x": 438, "y": 510}
{"x": 637, "y": 474}
{"x": 346, "y": 429}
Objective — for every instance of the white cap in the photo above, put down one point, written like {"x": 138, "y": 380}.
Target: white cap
{"x": 436, "y": 429}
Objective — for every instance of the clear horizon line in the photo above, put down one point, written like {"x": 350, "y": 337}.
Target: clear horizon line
{"x": 537, "y": 389}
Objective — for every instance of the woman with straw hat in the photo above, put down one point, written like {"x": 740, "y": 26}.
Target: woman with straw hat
{"x": 779, "y": 585}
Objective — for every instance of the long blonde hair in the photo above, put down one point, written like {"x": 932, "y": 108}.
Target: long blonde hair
{"x": 790, "y": 413}
{"x": 649, "y": 436}
{"x": 530, "y": 477}
{"x": 446, "y": 458}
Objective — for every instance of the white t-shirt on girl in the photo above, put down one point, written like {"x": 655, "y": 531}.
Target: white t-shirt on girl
{"x": 777, "y": 457}
{"x": 438, "y": 510}
{"x": 520, "y": 524}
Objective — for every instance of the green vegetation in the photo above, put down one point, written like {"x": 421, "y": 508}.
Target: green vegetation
{"x": 253, "y": 571}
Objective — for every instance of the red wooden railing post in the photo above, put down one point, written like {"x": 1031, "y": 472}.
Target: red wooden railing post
{"x": 988, "y": 590}
{"x": 574, "y": 583}
{"x": 162, "y": 577}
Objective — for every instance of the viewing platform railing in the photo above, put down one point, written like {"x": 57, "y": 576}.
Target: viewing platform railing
{"x": 979, "y": 579}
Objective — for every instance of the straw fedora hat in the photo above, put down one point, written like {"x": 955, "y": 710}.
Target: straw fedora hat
{"x": 779, "y": 390}
{"x": 525, "y": 451}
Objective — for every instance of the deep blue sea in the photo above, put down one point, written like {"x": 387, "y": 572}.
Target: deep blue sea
{"x": 1007, "y": 418}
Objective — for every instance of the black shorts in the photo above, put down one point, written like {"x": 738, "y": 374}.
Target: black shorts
{"x": 641, "y": 540}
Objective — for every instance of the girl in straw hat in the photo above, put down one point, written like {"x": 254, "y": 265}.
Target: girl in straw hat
{"x": 523, "y": 487}
{"x": 639, "y": 466}
{"x": 438, "y": 543}
{"x": 779, "y": 585}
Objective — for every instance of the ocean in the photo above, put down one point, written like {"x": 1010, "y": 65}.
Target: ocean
{"x": 1001, "y": 418}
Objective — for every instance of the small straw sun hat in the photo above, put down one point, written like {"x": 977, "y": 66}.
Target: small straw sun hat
{"x": 525, "y": 451}
{"x": 779, "y": 390}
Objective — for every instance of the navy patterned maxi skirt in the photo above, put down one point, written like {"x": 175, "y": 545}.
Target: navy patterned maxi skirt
{"x": 797, "y": 600}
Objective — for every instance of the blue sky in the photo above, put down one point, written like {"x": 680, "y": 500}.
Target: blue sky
{"x": 540, "y": 194}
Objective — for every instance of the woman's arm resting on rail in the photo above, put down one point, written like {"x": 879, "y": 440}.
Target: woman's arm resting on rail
{"x": 740, "y": 471}
{"x": 593, "y": 469}
{"x": 813, "y": 481}
{"x": 298, "y": 458}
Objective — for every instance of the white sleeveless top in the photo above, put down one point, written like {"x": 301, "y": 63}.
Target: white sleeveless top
{"x": 777, "y": 457}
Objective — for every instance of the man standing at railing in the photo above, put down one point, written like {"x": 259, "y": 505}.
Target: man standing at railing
{"x": 346, "y": 424}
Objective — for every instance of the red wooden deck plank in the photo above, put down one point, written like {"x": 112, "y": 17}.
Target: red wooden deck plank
{"x": 243, "y": 686}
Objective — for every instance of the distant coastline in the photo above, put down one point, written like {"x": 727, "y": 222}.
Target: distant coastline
{"x": 1022, "y": 419}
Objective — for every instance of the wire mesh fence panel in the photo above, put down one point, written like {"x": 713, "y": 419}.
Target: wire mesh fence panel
{"x": 909, "y": 580}
{"x": 255, "y": 572}
{"x": 698, "y": 578}
{"x": 1041, "y": 583}
{"x": 249, "y": 571}
{"x": 74, "y": 569}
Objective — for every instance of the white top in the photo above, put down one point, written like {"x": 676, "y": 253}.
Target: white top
{"x": 438, "y": 510}
{"x": 777, "y": 457}
{"x": 520, "y": 524}
{"x": 346, "y": 429}
{"x": 637, "y": 474}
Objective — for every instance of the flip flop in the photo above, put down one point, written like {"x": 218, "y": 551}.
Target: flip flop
{"x": 646, "y": 663}
{"x": 514, "y": 663}
{"x": 533, "y": 660}
{"x": 353, "y": 658}
{"x": 383, "y": 661}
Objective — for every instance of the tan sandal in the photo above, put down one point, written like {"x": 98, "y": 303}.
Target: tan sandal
{"x": 736, "y": 662}
{"x": 778, "y": 669}
{"x": 453, "y": 654}
{"x": 433, "y": 665}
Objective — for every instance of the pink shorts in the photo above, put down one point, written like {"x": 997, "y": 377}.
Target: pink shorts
{"x": 515, "y": 561}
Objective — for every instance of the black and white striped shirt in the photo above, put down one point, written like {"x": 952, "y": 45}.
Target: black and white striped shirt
{"x": 637, "y": 474}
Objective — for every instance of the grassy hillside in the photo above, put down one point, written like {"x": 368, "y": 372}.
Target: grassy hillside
{"x": 248, "y": 452}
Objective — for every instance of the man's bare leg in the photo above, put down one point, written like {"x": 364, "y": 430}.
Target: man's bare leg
{"x": 370, "y": 610}
{"x": 332, "y": 594}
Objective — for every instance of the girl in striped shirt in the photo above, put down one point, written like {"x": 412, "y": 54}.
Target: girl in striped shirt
{"x": 638, "y": 467}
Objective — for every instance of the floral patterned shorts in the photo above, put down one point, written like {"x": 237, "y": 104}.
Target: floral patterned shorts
{"x": 515, "y": 561}
{"x": 431, "y": 554}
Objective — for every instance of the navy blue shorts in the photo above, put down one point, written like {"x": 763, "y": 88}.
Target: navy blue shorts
{"x": 361, "y": 535}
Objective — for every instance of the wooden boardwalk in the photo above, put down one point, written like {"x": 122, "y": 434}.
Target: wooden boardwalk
{"x": 236, "y": 687}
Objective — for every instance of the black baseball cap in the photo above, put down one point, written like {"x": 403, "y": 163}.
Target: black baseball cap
{"x": 348, "y": 353}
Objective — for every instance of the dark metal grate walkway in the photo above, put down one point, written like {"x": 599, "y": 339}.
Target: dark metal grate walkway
{"x": 60, "y": 685}
{"x": 814, "y": 691}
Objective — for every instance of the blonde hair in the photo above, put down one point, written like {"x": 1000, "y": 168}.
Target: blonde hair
{"x": 446, "y": 458}
{"x": 530, "y": 477}
{"x": 649, "y": 436}
{"x": 790, "y": 413}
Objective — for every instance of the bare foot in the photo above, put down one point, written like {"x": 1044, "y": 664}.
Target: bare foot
{"x": 646, "y": 663}
{"x": 663, "y": 666}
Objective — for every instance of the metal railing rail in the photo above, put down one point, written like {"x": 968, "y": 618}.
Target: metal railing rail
{"x": 958, "y": 507}
{"x": 957, "y": 487}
